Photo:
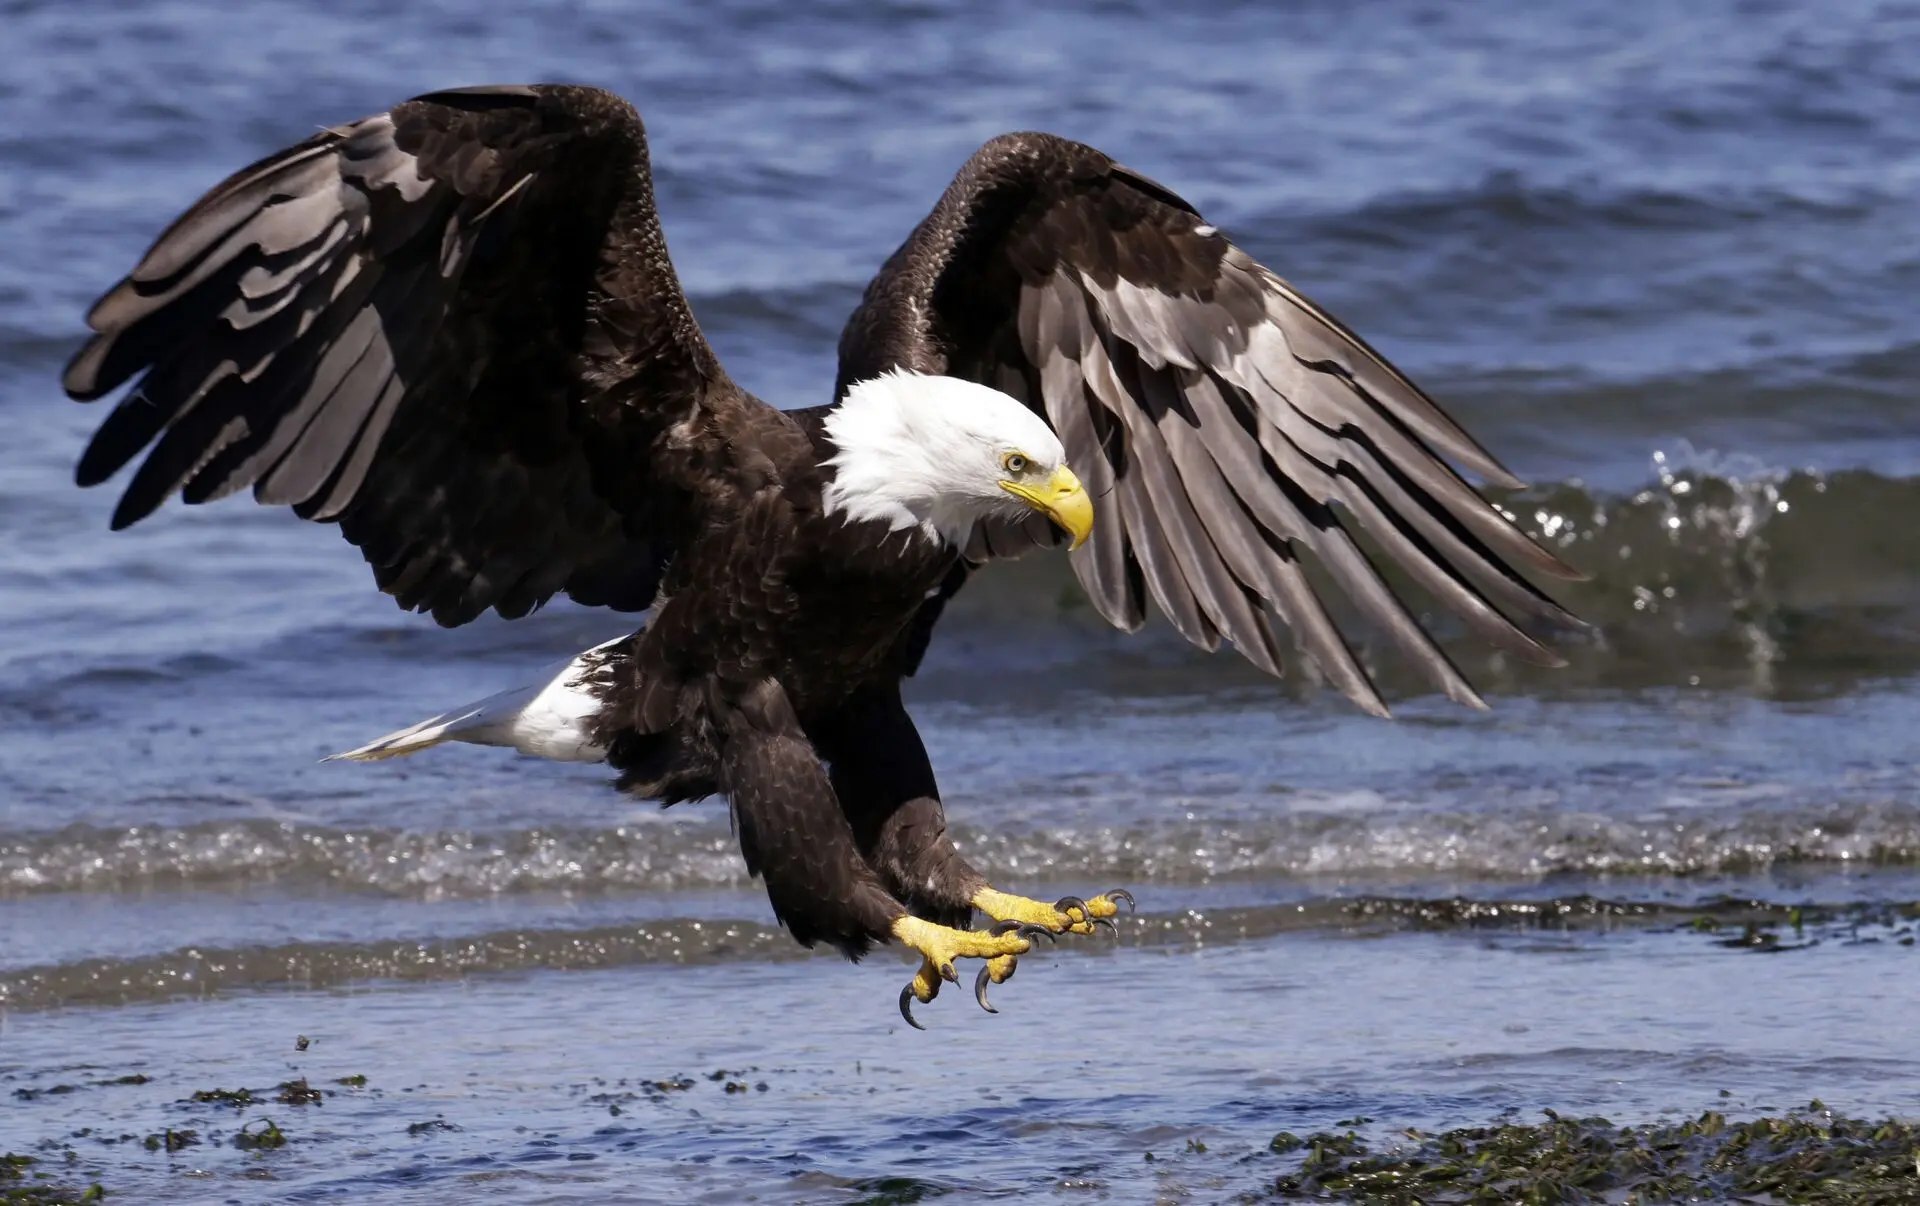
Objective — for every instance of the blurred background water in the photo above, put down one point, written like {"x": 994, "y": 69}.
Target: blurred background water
{"x": 1662, "y": 259}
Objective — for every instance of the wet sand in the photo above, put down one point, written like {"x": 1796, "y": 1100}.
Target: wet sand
{"x": 1161, "y": 1068}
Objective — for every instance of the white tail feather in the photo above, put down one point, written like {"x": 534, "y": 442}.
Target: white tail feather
{"x": 548, "y": 720}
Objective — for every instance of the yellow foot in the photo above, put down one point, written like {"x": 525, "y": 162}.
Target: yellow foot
{"x": 1068, "y": 915}
{"x": 939, "y": 946}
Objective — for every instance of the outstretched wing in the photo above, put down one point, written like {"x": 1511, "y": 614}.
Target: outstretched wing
{"x": 453, "y": 329}
{"x": 1226, "y": 424}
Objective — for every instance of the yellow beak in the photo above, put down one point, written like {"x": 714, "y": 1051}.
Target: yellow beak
{"x": 1062, "y": 499}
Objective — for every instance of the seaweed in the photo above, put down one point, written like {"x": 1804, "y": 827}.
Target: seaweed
{"x": 678, "y": 1084}
{"x": 616, "y": 1103}
{"x": 50, "y": 1195}
{"x": 299, "y": 1092}
{"x": 268, "y": 1136}
{"x": 171, "y": 1140}
{"x": 1804, "y": 1157}
{"x": 429, "y": 1126}
{"x": 894, "y": 1191}
{"x": 1732, "y": 922}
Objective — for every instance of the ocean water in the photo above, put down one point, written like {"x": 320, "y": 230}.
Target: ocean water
{"x": 1663, "y": 260}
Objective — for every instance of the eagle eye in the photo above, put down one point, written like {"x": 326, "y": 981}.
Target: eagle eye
{"x": 1015, "y": 463}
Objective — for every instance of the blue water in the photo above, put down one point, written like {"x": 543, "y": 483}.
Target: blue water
{"x": 1661, "y": 259}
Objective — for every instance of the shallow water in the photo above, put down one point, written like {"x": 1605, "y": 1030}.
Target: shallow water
{"x": 1663, "y": 266}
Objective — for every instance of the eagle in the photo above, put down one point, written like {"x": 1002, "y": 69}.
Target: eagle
{"x": 453, "y": 330}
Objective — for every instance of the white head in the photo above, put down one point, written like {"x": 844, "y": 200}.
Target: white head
{"x": 942, "y": 454}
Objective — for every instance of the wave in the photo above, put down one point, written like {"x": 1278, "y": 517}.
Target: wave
{"x": 307, "y": 966}
{"x": 662, "y": 857}
{"x": 1739, "y": 563}
{"x": 1517, "y": 843}
{"x": 203, "y": 971}
{"x": 1722, "y": 571}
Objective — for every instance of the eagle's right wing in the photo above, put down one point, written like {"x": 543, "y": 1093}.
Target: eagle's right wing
{"x": 1231, "y": 429}
{"x": 453, "y": 329}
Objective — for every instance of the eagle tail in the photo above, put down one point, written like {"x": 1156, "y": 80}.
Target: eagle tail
{"x": 550, "y": 719}
{"x": 458, "y": 725}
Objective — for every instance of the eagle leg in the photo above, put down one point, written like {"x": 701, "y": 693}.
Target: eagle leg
{"x": 792, "y": 831}
{"x": 1068, "y": 915}
{"x": 886, "y": 787}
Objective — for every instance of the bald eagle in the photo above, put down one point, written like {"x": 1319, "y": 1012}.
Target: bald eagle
{"x": 452, "y": 329}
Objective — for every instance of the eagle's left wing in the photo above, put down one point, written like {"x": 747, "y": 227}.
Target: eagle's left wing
{"x": 453, "y": 329}
{"x": 1225, "y": 424}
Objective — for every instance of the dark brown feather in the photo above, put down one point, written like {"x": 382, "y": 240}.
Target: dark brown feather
{"x": 452, "y": 328}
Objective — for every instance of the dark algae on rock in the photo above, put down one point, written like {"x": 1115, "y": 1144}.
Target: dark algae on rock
{"x": 1809, "y": 1156}
{"x": 260, "y": 1134}
{"x": 23, "y": 1182}
{"x": 299, "y": 1092}
{"x": 171, "y": 1140}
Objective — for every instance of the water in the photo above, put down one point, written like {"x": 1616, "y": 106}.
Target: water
{"x": 1662, "y": 262}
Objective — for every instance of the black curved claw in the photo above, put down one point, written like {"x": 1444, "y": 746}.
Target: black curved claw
{"x": 1067, "y": 904}
{"x": 1123, "y": 894}
{"x": 980, "y": 983}
{"x": 1024, "y": 929}
{"x": 906, "y": 1007}
{"x": 1108, "y": 922}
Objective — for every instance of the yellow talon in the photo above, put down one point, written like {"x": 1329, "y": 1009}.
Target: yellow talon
{"x": 1017, "y": 921}
{"x": 1070, "y": 915}
{"x": 940, "y": 945}
{"x": 925, "y": 984}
